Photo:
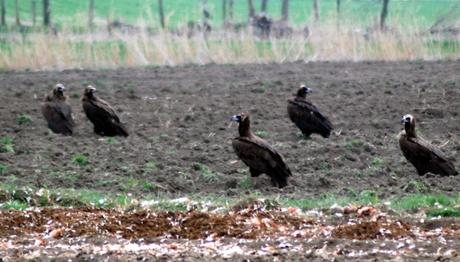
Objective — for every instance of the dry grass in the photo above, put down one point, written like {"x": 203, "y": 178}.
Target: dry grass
{"x": 67, "y": 50}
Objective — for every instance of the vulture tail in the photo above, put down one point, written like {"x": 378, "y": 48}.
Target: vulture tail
{"x": 121, "y": 130}
{"x": 280, "y": 176}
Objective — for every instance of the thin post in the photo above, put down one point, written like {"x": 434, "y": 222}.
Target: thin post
{"x": 230, "y": 9}
{"x": 16, "y": 12}
{"x": 285, "y": 10}
{"x": 224, "y": 10}
{"x": 263, "y": 7}
{"x": 338, "y": 13}
{"x": 206, "y": 17}
{"x": 316, "y": 10}
{"x": 91, "y": 14}
{"x": 251, "y": 9}
{"x": 162, "y": 14}
{"x": 384, "y": 14}
{"x": 3, "y": 12}
{"x": 34, "y": 12}
{"x": 46, "y": 13}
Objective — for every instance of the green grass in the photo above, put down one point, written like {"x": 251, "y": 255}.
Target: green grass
{"x": 245, "y": 183}
{"x": 262, "y": 134}
{"x": 354, "y": 143}
{"x": 14, "y": 205}
{"x": 80, "y": 160}
{"x": 111, "y": 141}
{"x": 419, "y": 201}
{"x": 325, "y": 166}
{"x": 151, "y": 166}
{"x": 416, "y": 186}
{"x": 6, "y": 144}
{"x": 24, "y": 119}
{"x": 444, "y": 212}
{"x": 377, "y": 162}
{"x": 179, "y": 12}
{"x": 328, "y": 200}
{"x": 147, "y": 185}
{"x": 3, "y": 169}
{"x": 205, "y": 172}
{"x": 20, "y": 198}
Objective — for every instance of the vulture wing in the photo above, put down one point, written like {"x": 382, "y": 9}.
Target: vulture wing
{"x": 104, "y": 118}
{"x": 308, "y": 118}
{"x": 426, "y": 157}
{"x": 59, "y": 117}
{"x": 102, "y": 110}
{"x": 262, "y": 158}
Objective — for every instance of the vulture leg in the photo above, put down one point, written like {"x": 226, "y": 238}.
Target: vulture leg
{"x": 306, "y": 135}
{"x": 254, "y": 175}
{"x": 421, "y": 171}
{"x": 98, "y": 130}
{"x": 278, "y": 180}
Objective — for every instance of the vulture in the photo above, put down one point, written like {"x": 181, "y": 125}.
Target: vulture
{"x": 306, "y": 116}
{"x": 257, "y": 154}
{"x": 57, "y": 112}
{"x": 424, "y": 156}
{"x": 102, "y": 115}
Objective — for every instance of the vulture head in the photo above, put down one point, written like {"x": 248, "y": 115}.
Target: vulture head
{"x": 303, "y": 91}
{"x": 89, "y": 91}
{"x": 244, "y": 124}
{"x": 409, "y": 124}
{"x": 58, "y": 90}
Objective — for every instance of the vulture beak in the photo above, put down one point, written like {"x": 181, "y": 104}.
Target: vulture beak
{"x": 236, "y": 118}
{"x": 308, "y": 90}
{"x": 92, "y": 89}
{"x": 406, "y": 119}
{"x": 60, "y": 88}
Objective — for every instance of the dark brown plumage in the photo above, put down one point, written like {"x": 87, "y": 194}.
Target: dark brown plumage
{"x": 258, "y": 155}
{"x": 306, "y": 116}
{"x": 101, "y": 114}
{"x": 424, "y": 156}
{"x": 57, "y": 112}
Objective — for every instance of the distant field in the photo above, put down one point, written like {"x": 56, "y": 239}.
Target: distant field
{"x": 179, "y": 12}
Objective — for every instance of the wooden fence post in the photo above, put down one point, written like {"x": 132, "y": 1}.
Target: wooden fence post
{"x": 46, "y": 13}
{"x": 316, "y": 10}
{"x": 384, "y": 13}
{"x": 91, "y": 14}
{"x": 162, "y": 14}
{"x": 3, "y": 12}
{"x": 338, "y": 14}
{"x": 34, "y": 12}
{"x": 16, "y": 12}
{"x": 251, "y": 9}
{"x": 263, "y": 7}
{"x": 285, "y": 10}
{"x": 230, "y": 9}
{"x": 224, "y": 10}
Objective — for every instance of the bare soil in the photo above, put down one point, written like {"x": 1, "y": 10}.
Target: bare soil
{"x": 179, "y": 120}
{"x": 180, "y": 146}
{"x": 251, "y": 233}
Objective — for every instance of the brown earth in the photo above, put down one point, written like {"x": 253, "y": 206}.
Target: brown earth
{"x": 179, "y": 121}
{"x": 253, "y": 233}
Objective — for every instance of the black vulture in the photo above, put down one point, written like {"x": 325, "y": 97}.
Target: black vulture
{"x": 424, "y": 156}
{"x": 58, "y": 112}
{"x": 101, "y": 114}
{"x": 258, "y": 155}
{"x": 306, "y": 116}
